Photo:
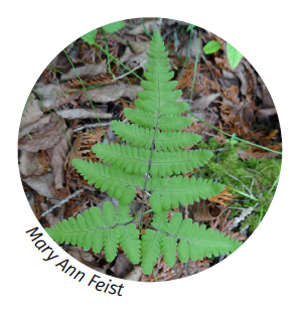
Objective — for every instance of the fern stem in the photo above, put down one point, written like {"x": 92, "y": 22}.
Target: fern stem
{"x": 151, "y": 150}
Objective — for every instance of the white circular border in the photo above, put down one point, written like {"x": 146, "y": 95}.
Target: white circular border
{"x": 258, "y": 277}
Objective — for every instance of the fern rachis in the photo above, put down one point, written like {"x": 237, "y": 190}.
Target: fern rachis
{"x": 153, "y": 160}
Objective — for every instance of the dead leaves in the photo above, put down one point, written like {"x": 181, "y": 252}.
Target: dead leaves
{"x": 57, "y": 156}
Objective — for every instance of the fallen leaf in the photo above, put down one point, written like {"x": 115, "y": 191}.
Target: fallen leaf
{"x": 85, "y": 72}
{"x": 31, "y": 128}
{"x": 150, "y": 26}
{"x": 206, "y": 211}
{"x": 58, "y": 155}
{"x": 204, "y": 101}
{"x": 122, "y": 266}
{"x": 110, "y": 93}
{"x": 135, "y": 274}
{"x": 241, "y": 74}
{"x": 85, "y": 257}
{"x": 82, "y": 113}
{"x": 28, "y": 163}
{"x": 137, "y": 61}
{"x": 41, "y": 184}
{"x": 49, "y": 94}
{"x": 31, "y": 113}
{"x": 44, "y": 137}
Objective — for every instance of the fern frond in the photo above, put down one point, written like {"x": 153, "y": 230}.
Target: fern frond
{"x": 113, "y": 27}
{"x": 149, "y": 120}
{"x": 96, "y": 229}
{"x": 136, "y": 160}
{"x": 117, "y": 183}
{"x": 189, "y": 239}
{"x": 153, "y": 160}
{"x": 143, "y": 137}
{"x": 169, "y": 192}
{"x": 93, "y": 229}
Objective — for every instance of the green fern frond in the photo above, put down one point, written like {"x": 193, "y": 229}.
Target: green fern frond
{"x": 113, "y": 27}
{"x": 135, "y": 160}
{"x": 117, "y": 183}
{"x": 169, "y": 192}
{"x": 189, "y": 239}
{"x": 154, "y": 160}
{"x": 143, "y": 137}
{"x": 149, "y": 120}
{"x": 96, "y": 229}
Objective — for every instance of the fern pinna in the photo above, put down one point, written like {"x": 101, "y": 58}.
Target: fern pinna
{"x": 152, "y": 159}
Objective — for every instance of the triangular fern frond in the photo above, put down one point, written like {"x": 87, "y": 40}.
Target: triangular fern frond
{"x": 154, "y": 160}
{"x": 96, "y": 229}
{"x": 189, "y": 239}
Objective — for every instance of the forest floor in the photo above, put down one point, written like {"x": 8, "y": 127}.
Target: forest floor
{"x": 59, "y": 124}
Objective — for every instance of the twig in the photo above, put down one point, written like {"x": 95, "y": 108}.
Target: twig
{"x": 65, "y": 200}
{"x": 90, "y": 126}
{"x": 129, "y": 72}
{"x": 242, "y": 217}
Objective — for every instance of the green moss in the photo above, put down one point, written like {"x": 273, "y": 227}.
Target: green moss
{"x": 256, "y": 178}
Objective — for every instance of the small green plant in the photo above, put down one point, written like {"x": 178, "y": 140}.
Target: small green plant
{"x": 233, "y": 55}
{"x": 152, "y": 160}
{"x": 253, "y": 180}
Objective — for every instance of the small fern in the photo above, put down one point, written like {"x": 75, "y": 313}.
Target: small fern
{"x": 153, "y": 161}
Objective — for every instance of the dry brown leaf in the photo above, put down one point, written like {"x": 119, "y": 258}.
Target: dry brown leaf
{"x": 85, "y": 257}
{"x": 135, "y": 274}
{"x": 28, "y": 163}
{"x": 86, "y": 72}
{"x": 81, "y": 113}
{"x": 105, "y": 94}
{"x": 31, "y": 113}
{"x": 150, "y": 26}
{"x": 49, "y": 93}
{"x": 137, "y": 61}
{"x": 241, "y": 74}
{"x": 204, "y": 101}
{"x": 41, "y": 184}
{"x": 58, "y": 155}
{"x": 32, "y": 127}
{"x": 206, "y": 211}
{"x": 122, "y": 266}
{"x": 44, "y": 137}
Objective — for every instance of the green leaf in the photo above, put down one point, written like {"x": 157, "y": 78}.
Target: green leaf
{"x": 90, "y": 37}
{"x": 154, "y": 159}
{"x": 190, "y": 27}
{"x": 150, "y": 250}
{"x": 113, "y": 27}
{"x": 211, "y": 47}
{"x": 117, "y": 183}
{"x": 169, "y": 192}
{"x": 233, "y": 55}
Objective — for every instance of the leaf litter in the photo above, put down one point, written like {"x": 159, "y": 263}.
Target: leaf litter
{"x": 61, "y": 122}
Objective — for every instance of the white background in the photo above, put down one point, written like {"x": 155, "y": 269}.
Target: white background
{"x": 262, "y": 277}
